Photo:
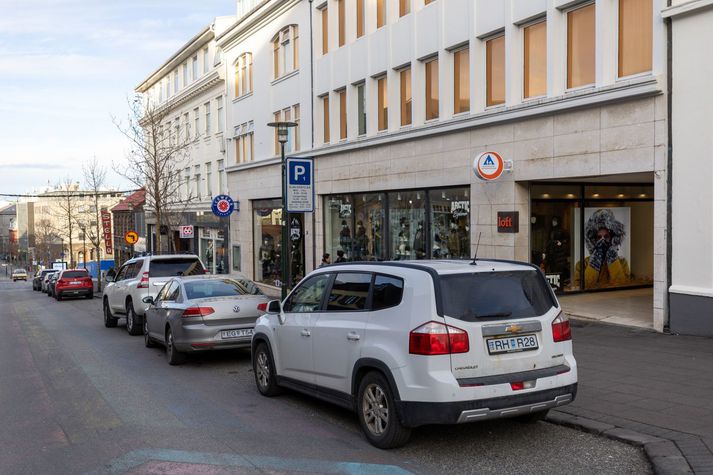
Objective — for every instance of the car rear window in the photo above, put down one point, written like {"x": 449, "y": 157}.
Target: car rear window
{"x": 71, "y": 274}
{"x": 495, "y": 295}
{"x": 220, "y": 288}
{"x": 173, "y": 267}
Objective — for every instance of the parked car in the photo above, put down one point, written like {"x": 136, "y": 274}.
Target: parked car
{"x": 142, "y": 277}
{"x": 39, "y": 277}
{"x": 410, "y": 344}
{"x": 51, "y": 283}
{"x": 74, "y": 283}
{"x": 45, "y": 281}
{"x": 202, "y": 313}
{"x": 19, "y": 274}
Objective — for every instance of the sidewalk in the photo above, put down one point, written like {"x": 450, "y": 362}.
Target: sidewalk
{"x": 646, "y": 388}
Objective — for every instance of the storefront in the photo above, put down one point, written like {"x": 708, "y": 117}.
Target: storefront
{"x": 398, "y": 225}
{"x": 267, "y": 233}
{"x": 612, "y": 226}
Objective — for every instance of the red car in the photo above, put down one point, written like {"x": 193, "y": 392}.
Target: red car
{"x": 74, "y": 283}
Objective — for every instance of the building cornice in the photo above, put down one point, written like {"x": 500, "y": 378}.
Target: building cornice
{"x": 207, "y": 82}
{"x": 690, "y": 7}
{"x": 255, "y": 20}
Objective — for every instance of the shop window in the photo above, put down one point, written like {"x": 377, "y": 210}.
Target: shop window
{"x": 450, "y": 223}
{"x": 407, "y": 225}
{"x": 635, "y": 36}
{"x": 535, "y": 60}
{"x": 268, "y": 243}
{"x": 495, "y": 71}
{"x": 581, "y": 46}
{"x": 354, "y": 227}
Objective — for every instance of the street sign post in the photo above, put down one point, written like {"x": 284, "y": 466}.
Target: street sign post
{"x": 131, "y": 237}
{"x": 300, "y": 185}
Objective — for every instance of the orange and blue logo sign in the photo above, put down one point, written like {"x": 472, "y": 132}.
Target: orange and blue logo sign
{"x": 223, "y": 206}
{"x": 488, "y": 166}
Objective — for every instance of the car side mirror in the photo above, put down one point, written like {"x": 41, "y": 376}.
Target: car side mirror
{"x": 148, "y": 300}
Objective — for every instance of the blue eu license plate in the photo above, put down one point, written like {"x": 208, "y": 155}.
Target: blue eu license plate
{"x": 512, "y": 344}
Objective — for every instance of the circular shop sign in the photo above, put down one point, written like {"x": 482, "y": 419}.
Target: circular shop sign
{"x": 131, "y": 237}
{"x": 223, "y": 206}
{"x": 488, "y": 166}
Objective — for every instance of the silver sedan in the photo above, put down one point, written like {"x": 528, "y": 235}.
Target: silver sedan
{"x": 202, "y": 313}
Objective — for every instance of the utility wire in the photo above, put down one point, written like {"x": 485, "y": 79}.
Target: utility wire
{"x": 76, "y": 194}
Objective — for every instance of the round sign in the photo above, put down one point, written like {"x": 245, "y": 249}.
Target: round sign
{"x": 488, "y": 166}
{"x": 131, "y": 237}
{"x": 223, "y": 206}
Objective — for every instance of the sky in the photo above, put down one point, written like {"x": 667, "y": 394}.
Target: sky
{"x": 68, "y": 66}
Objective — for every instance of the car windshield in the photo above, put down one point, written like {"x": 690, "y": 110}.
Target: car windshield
{"x": 18, "y": 271}
{"x": 495, "y": 295}
{"x": 73, "y": 274}
{"x": 199, "y": 289}
{"x": 173, "y": 267}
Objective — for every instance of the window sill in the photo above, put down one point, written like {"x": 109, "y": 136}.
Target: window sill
{"x": 243, "y": 97}
{"x": 458, "y": 115}
{"x": 634, "y": 76}
{"x": 574, "y": 90}
{"x": 285, "y": 77}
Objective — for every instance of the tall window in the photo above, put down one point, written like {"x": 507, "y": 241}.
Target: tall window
{"x": 361, "y": 107}
{"x": 295, "y": 131}
{"x": 383, "y": 103}
{"x": 495, "y": 71}
{"x": 432, "y": 89}
{"x": 196, "y": 121}
{"x": 194, "y": 68}
{"x": 285, "y": 50}
{"x": 635, "y": 36}
{"x": 187, "y": 127}
{"x": 206, "y": 60}
{"x": 461, "y": 81}
{"x": 404, "y": 7}
{"x": 360, "y": 15}
{"x": 325, "y": 31}
{"x": 290, "y": 114}
{"x": 197, "y": 177}
{"x": 244, "y": 151}
{"x": 206, "y": 108}
{"x": 244, "y": 74}
{"x": 185, "y": 74}
{"x": 187, "y": 178}
{"x": 380, "y": 13}
{"x": 325, "y": 119}
{"x": 175, "y": 81}
{"x": 406, "y": 98}
{"x": 221, "y": 176}
{"x": 219, "y": 110}
{"x": 580, "y": 46}
{"x": 426, "y": 2}
{"x": 342, "y": 22}
{"x": 342, "y": 114}
{"x": 208, "y": 178}
{"x": 535, "y": 60}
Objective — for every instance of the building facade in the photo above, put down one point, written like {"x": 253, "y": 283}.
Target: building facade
{"x": 8, "y": 232}
{"x": 128, "y": 216}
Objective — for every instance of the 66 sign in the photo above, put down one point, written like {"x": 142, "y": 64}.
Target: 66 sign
{"x": 223, "y": 206}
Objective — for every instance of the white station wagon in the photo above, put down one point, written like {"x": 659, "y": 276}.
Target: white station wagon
{"x": 427, "y": 342}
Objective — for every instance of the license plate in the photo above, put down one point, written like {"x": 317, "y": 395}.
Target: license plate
{"x": 228, "y": 334}
{"x": 512, "y": 344}
{"x": 75, "y": 282}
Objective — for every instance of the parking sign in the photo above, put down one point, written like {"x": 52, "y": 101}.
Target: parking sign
{"x": 300, "y": 185}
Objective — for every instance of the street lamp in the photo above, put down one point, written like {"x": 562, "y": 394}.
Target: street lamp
{"x": 283, "y": 133}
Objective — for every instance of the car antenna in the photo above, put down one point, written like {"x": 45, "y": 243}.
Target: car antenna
{"x": 475, "y": 257}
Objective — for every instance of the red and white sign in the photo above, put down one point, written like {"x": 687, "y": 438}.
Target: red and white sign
{"x": 489, "y": 166}
{"x": 186, "y": 232}
{"x": 106, "y": 229}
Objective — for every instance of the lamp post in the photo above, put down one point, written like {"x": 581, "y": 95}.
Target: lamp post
{"x": 283, "y": 132}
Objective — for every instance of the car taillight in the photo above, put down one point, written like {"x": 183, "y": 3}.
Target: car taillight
{"x": 560, "y": 328}
{"x": 197, "y": 312}
{"x": 434, "y": 338}
{"x": 144, "y": 282}
{"x": 262, "y": 307}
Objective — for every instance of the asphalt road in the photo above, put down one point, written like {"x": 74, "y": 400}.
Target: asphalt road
{"x": 76, "y": 397}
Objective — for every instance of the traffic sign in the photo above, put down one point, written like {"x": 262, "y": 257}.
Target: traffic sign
{"x": 223, "y": 206}
{"x": 186, "y": 232}
{"x": 300, "y": 185}
{"x": 131, "y": 237}
{"x": 490, "y": 166}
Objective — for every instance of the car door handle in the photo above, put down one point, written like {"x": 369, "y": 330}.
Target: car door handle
{"x": 352, "y": 336}
{"x": 305, "y": 332}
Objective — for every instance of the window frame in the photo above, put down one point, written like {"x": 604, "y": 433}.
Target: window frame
{"x": 330, "y": 287}
{"x": 538, "y": 21}
{"x": 341, "y": 23}
{"x": 326, "y": 117}
{"x": 404, "y": 8}
{"x": 489, "y": 69}
{"x": 360, "y": 18}
{"x": 646, "y": 72}
{"x": 324, "y": 15}
{"x": 287, "y": 39}
{"x": 243, "y": 76}
{"x": 361, "y": 108}
{"x": 327, "y": 289}
{"x": 373, "y": 287}
{"x": 579, "y": 6}
{"x": 427, "y": 65}
{"x": 404, "y": 104}
{"x": 456, "y": 80}
{"x": 382, "y": 103}
{"x": 343, "y": 111}
{"x": 381, "y": 13}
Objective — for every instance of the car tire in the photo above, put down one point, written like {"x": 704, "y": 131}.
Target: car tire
{"x": 173, "y": 356}
{"x": 264, "y": 370}
{"x": 58, "y": 297}
{"x": 132, "y": 325}
{"x": 148, "y": 341}
{"x": 90, "y": 296}
{"x": 377, "y": 413}
{"x": 109, "y": 320}
{"x": 533, "y": 417}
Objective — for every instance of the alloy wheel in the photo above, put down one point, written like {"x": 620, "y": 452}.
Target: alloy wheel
{"x": 263, "y": 370}
{"x": 375, "y": 409}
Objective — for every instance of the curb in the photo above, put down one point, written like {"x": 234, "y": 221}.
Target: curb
{"x": 664, "y": 455}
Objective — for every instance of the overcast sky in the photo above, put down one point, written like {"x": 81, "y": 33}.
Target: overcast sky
{"x": 68, "y": 66}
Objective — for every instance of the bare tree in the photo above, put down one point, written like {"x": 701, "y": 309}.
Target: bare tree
{"x": 67, "y": 210}
{"x": 159, "y": 150}
{"x": 94, "y": 180}
{"x": 46, "y": 239}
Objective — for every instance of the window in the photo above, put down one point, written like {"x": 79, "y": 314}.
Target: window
{"x": 194, "y": 70}
{"x": 426, "y": 2}
{"x": 383, "y": 103}
{"x": 461, "y": 81}
{"x": 208, "y": 124}
{"x": 221, "y": 176}
{"x": 349, "y": 292}
{"x": 197, "y": 289}
{"x": 308, "y": 296}
{"x": 432, "y": 90}
{"x": 581, "y": 46}
{"x": 380, "y": 13}
{"x": 290, "y": 114}
{"x": 325, "y": 119}
{"x": 187, "y": 178}
{"x": 175, "y": 81}
{"x": 185, "y": 74}
{"x": 197, "y": 178}
{"x": 277, "y": 116}
{"x": 206, "y": 60}
{"x": 208, "y": 176}
{"x": 406, "y": 99}
{"x": 244, "y": 74}
{"x": 342, "y": 22}
{"x": 361, "y": 108}
{"x": 342, "y": 114}
{"x": 295, "y": 131}
{"x": 244, "y": 144}
{"x": 535, "y": 60}
{"x": 325, "y": 30}
{"x": 176, "y": 266}
{"x": 495, "y": 71}
{"x": 196, "y": 127}
{"x": 285, "y": 50}
{"x": 635, "y": 36}
{"x": 219, "y": 110}
{"x": 404, "y": 7}
{"x": 360, "y": 15}
{"x": 387, "y": 292}
{"x": 187, "y": 126}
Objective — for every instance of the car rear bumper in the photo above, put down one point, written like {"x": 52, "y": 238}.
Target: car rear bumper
{"x": 414, "y": 414}
{"x": 70, "y": 292}
{"x": 202, "y": 337}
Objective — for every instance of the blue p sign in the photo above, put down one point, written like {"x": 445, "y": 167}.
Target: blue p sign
{"x": 300, "y": 173}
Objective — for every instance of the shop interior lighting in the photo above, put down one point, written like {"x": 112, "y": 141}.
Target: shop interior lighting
{"x": 642, "y": 195}
{"x": 620, "y": 195}
{"x": 443, "y": 195}
{"x": 595, "y": 195}
{"x": 398, "y": 196}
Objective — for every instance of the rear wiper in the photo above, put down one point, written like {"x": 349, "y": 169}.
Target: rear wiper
{"x": 496, "y": 315}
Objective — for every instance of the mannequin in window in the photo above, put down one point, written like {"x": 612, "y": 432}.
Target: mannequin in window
{"x": 557, "y": 251}
{"x": 345, "y": 237}
{"x": 361, "y": 242}
{"x": 419, "y": 242}
{"x": 402, "y": 250}
{"x": 267, "y": 254}
{"x": 604, "y": 236}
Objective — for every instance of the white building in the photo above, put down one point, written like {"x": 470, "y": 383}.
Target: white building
{"x": 190, "y": 88}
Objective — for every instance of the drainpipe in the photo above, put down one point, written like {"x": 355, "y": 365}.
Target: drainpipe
{"x": 669, "y": 169}
{"x": 311, "y": 101}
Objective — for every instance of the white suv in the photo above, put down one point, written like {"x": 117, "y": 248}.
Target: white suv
{"x": 142, "y": 277}
{"x": 409, "y": 344}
